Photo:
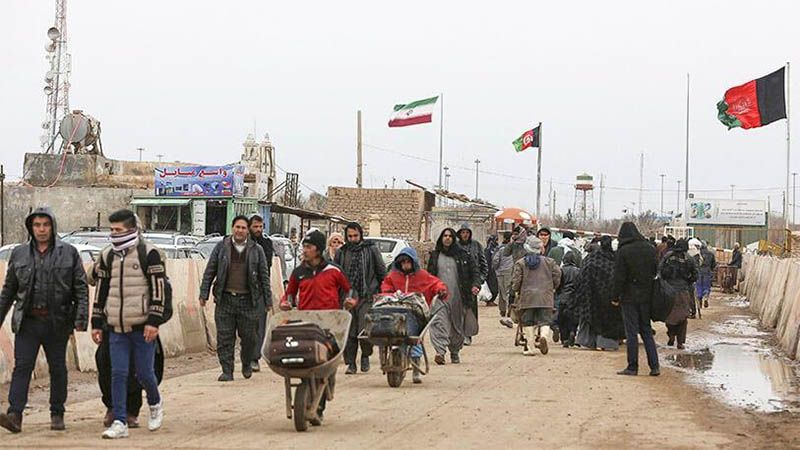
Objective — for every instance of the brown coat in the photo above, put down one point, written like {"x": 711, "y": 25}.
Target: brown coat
{"x": 535, "y": 288}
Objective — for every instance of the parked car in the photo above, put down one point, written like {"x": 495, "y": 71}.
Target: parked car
{"x": 88, "y": 252}
{"x": 389, "y": 248}
{"x": 182, "y": 252}
{"x": 171, "y": 239}
{"x": 97, "y": 239}
{"x": 206, "y": 246}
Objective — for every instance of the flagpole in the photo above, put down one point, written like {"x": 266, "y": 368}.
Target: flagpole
{"x": 441, "y": 132}
{"x": 539, "y": 176}
{"x": 686, "y": 176}
{"x": 788, "y": 151}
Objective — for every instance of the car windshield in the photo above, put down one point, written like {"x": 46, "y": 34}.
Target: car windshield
{"x": 384, "y": 246}
{"x": 206, "y": 247}
{"x": 160, "y": 240}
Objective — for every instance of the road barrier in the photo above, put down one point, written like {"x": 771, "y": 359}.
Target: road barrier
{"x": 773, "y": 287}
{"x": 190, "y": 330}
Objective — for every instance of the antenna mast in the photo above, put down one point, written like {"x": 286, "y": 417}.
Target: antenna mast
{"x": 57, "y": 78}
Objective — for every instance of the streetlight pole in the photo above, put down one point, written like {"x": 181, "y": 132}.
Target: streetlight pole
{"x": 678, "y": 206}
{"x": 477, "y": 171}
{"x": 662, "y": 193}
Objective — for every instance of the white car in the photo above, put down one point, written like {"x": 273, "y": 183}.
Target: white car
{"x": 88, "y": 252}
{"x": 159, "y": 239}
{"x": 389, "y": 248}
{"x": 182, "y": 252}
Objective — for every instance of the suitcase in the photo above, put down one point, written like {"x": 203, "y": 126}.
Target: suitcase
{"x": 387, "y": 322}
{"x": 301, "y": 345}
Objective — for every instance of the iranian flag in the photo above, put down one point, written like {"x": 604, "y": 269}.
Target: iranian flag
{"x": 420, "y": 111}
{"x": 528, "y": 139}
{"x": 754, "y": 104}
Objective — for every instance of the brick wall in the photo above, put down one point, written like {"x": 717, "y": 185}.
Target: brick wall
{"x": 400, "y": 210}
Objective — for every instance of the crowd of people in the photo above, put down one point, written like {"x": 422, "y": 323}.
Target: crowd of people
{"x": 595, "y": 296}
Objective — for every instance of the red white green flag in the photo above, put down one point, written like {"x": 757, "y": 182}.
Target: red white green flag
{"x": 755, "y": 103}
{"x": 414, "y": 113}
{"x": 528, "y": 139}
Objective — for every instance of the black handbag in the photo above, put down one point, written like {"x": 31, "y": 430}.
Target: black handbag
{"x": 663, "y": 299}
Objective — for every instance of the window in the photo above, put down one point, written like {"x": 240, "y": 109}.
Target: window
{"x": 87, "y": 256}
{"x": 385, "y": 246}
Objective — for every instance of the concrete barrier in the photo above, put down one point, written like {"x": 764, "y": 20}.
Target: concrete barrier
{"x": 773, "y": 287}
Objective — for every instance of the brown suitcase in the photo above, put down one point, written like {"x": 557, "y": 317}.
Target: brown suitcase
{"x": 300, "y": 345}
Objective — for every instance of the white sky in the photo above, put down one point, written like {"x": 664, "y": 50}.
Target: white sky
{"x": 608, "y": 79}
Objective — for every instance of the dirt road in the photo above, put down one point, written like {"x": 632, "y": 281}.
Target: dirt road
{"x": 496, "y": 398}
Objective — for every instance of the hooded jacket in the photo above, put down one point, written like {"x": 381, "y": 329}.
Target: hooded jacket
{"x": 569, "y": 278}
{"x": 564, "y": 246}
{"x": 534, "y": 281}
{"x": 419, "y": 280}
{"x": 373, "y": 268}
{"x": 635, "y": 266}
{"x": 475, "y": 251}
{"x": 68, "y": 303}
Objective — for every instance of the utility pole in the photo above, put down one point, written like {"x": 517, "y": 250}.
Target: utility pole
{"x": 2, "y": 206}
{"x": 602, "y": 187}
{"x": 686, "y": 176}
{"x": 446, "y": 178}
{"x": 359, "y": 154}
{"x": 794, "y": 197}
{"x": 641, "y": 180}
{"x": 477, "y": 171}
{"x": 662, "y": 193}
{"x": 140, "y": 150}
{"x": 394, "y": 180}
{"x": 733, "y": 186}
{"x": 551, "y": 211}
{"x": 678, "y": 206}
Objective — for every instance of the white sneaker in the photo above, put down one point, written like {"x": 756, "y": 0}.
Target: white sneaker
{"x": 117, "y": 430}
{"x": 156, "y": 416}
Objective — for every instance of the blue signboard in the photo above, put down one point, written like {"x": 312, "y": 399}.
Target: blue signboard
{"x": 200, "y": 181}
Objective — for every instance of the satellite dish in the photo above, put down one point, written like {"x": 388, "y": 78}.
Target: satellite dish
{"x": 50, "y": 47}
{"x": 74, "y": 128}
{"x": 48, "y": 77}
{"x": 46, "y": 125}
{"x": 53, "y": 33}
{"x": 48, "y": 90}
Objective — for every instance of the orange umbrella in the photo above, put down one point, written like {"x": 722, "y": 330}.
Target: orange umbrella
{"x": 514, "y": 215}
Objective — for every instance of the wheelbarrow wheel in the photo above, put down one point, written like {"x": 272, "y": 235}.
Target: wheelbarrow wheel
{"x": 301, "y": 398}
{"x": 395, "y": 379}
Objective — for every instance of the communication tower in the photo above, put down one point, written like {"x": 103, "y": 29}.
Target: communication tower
{"x": 56, "y": 79}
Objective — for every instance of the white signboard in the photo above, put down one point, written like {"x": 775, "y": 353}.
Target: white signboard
{"x": 701, "y": 211}
{"x": 199, "y": 217}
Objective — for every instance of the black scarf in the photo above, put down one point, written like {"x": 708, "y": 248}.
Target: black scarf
{"x": 355, "y": 271}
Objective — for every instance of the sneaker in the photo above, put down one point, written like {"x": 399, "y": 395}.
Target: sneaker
{"x": 11, "y": 422}
{"x": 256, "y": 367}
{"x": 455, "y": 358}
{"x": 247, "y": 371}
{"x": 468, "y": 340}
{"x": 365, "y": 363}
{"x": 416, "y": 375}
{"x": 117, "y": 430}
{"x": 507, "y": 322}
{"x": 351, "y": 369}
{"x": 156, "y": 416}
{"x": 628, "y": 372}
{"x": 543, "y": 345}
{"x": 439, "y": 360}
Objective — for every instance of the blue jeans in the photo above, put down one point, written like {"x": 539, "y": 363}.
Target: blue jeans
{"x": 703, "y": 285}
{"x": 144, "y": 353}
{"x": 414, "y": 329}
{"x": 637, "y": 322}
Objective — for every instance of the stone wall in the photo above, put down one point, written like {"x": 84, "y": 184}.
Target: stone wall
{"x": 73, "y": 206}
{"x": 400, "y": 211}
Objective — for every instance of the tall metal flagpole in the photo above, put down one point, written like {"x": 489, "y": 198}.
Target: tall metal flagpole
{"x": 539, "y": 176}
{"x": 686, "y": 177}
{"x": 788, "y": 151}
{"x": 441, "y": 130}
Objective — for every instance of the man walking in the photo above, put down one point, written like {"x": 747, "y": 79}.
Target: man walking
{"x": 474, "y": 250}
{"x": 502, "y": 264}
{"x": 257, "y": 234}
{"x": 46, "y": 284}
{"x": 363, "y": 264}
{"x": 705, "y": 274}
{"x": 237, "y": 268}
{"x": 134, "y": 298}
{"x": 634, "y": 271}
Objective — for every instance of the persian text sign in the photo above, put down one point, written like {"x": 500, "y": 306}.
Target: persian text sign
{"x": 200, "y": 181}
{"x": 726, "y": 212}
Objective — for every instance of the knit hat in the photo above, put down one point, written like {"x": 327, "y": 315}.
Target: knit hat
{"x": 533, "y": 245}
{"x": 317, "y": 239}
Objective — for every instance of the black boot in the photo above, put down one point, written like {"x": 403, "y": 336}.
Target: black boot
{"x": 11, "y": 422}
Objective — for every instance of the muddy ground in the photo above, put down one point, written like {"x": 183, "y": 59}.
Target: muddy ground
{"x": 496, "y": 397}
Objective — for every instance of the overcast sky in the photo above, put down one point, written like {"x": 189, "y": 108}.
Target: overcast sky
{"x": 187, "y": 79}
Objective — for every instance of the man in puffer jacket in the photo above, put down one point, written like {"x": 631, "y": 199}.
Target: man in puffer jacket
{"x": 134, "y": 298}
{"x": 407, "y": 277}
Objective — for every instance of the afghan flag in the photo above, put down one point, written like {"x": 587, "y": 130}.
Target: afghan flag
{"x": 420, "y": 111}
{"x": 754, "y": 104}
{"x": 528, "y": 139}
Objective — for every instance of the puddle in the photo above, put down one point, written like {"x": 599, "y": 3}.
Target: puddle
{"x": 743, "y": 374}
{"x": 738, "y": 326}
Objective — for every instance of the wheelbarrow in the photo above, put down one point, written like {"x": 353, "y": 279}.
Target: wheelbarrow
{"x": 310, "y": 383}
{"x": 395, "y": 352}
